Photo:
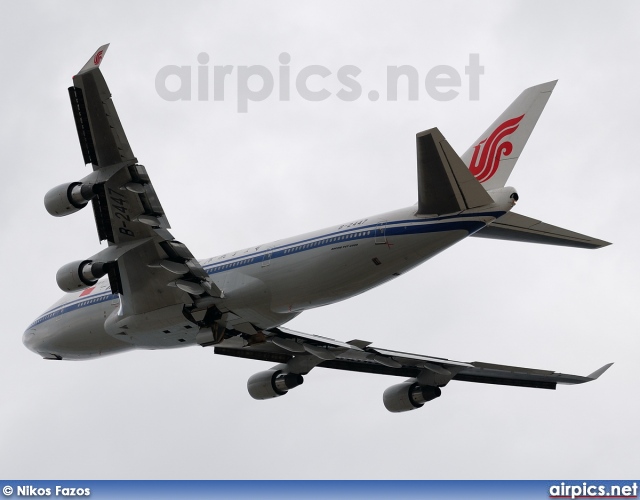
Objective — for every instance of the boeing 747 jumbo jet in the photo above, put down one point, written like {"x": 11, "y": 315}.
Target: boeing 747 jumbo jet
{"x": 145, "y": 290}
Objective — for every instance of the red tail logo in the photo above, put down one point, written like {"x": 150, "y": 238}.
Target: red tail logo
{"x": 87, "y": 291}
{"x": 491, "y": 149}
{"x": 97, "y": 58}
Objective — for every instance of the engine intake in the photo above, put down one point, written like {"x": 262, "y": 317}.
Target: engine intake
{"x": 80, "y": 274}
{"x": 408, "y": 396}
{"x": 272, "y": 383}
{"x": 66, "y": 199}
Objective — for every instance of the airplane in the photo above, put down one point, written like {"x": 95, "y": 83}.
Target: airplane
{"x": 145, "y": 290}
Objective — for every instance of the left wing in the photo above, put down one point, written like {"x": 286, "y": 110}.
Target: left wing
{"x": 100, "y": 132}
{"x": 297, "y": 353}
{"x": 157, "y": 278}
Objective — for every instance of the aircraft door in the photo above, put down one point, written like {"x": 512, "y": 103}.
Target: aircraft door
{"x": 380, "y": 236}
{"x": 266, "y": 258}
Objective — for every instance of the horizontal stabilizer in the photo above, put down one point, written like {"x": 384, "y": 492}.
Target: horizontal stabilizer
{"x": 515, "y": 227}
{"x": 445, "y": 184}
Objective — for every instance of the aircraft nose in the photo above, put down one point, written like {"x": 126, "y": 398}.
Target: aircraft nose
{"x": 30, "y": 339}
{"x": 34, "y": 341}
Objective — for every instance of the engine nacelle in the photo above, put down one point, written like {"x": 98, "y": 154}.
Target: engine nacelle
{"x": 408, "y": 396}
{"x": 66, "y": 199}
{"x": 80, "y": 274}
{"x": 272, "y": 383}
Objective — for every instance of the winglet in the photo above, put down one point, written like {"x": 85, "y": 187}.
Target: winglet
{"x": 95, "y": 60}
{"x": 599, "y": 371}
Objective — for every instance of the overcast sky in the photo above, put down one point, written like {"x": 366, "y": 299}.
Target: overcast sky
{"x": 228, "y": 180}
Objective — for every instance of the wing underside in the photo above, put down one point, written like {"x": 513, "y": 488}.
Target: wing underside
{"x": 147, "y": 267}
{"x": 282, "y": 345}
{"x": 516, "y": 227}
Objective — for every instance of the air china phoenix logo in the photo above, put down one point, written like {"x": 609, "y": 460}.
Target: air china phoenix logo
{"x": 97, "y": 58}
{"x": 87, "y": 291}
{"x": 487, "y": 153}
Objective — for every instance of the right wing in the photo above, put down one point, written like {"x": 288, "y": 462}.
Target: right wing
{"x": 515, "y": 227}
{"x": 302, "y": 351}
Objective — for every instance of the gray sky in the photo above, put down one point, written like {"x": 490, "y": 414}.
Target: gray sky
{"x": 228, "y": 180}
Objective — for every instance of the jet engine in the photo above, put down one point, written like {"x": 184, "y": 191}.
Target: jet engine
{"x": 272, "y": 383}
{"x": 80, "y": 274}
{"x": 66, "y": 199}
{"x": 408, "y": 396}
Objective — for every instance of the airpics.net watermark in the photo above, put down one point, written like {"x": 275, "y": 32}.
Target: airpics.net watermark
{"x": 257, "y": 83}
{"x": 589, "y": 490}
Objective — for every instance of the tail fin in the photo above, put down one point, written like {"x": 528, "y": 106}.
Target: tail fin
{"x": 492, "y": 157}
{"x": 444, "y": 183}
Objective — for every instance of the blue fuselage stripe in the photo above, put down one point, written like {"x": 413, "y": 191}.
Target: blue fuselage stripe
{"x": 371, "y": 231}
{"x": 392, "y": 228}
{"x": 81, "y": 303}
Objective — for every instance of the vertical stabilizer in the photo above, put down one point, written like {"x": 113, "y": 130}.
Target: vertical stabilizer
{"x": 445, "y": 185}
{"x": 493, "y": 156}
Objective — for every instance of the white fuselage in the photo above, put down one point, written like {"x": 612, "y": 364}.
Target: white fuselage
{"x": 268, "y": 285}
